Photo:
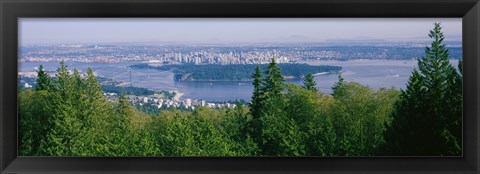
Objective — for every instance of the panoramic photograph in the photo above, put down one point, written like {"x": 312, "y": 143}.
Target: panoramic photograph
{"x": 239, "y": 87}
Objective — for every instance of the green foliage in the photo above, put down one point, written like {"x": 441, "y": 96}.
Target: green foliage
{"x": 275, "y": 133}
{"x": 35, "y": 109}
{"x": 73, "y": 119}
{"x": 427, "y": 117}
{"x": 274, "y": 81}
{"x": 43, "y": 79}
{"x": 310, "y": 111}
{"x": 254, "y": 126}
{"x": 279, "y": 133}
{"x": 359, "y": 117}
{"x": 338, "y": 89}
{"x": 195, "y": 134}
{"x": 309, "y": 83}
{"x": 235, "y": 124}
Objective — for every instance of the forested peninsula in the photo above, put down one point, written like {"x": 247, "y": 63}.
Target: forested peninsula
{"x": 235, "y": 72}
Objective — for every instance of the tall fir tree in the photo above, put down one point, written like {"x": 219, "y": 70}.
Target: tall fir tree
{"x": 63, "y": 81}
{"x": 428, "y": 114}
{"x": 309, "y": 83}
{"x": 79, "y": 88}
{"x": 338, "y": 89}
{"x": 274, "y": 80}
{"x": 97, "y": 111}
{"x": 93, "y": 90}
{"x": 280, "y": 135}
{"x": 122, "y": 118}
{"x": 61, "y": 139}
{"x": 254, "y": 127}
{"x": 78, "y": 96}
{"x": 125, "y": 140}
{"x": 43, "y": 79}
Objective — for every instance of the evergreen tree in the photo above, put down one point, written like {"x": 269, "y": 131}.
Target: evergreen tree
{"x": 408, "y": 118}
{"x": 43, "y": 79}
{"x": 279, "y": 134}
{"x": 309, "y": 83}
{"x": 269, "y": 118}
{"x": 255, "y": 105}
{"x": 257, "y": 91}
{"x": 78, "y": 81}
{"x": 93, "y": 90}
{"x": 427, "y": 120}
{"x": 63, "y": 138}
{"x": 97, "y": 113}
{"x": 63, "y": 82}
{"x": 338, "y": 89}
{"x": 79, "y": 96}
{"x": 120, "y": 124}
{"x": 274, "y": 81}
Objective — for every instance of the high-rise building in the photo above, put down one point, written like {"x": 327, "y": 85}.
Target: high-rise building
{"x": 188, "y": 102}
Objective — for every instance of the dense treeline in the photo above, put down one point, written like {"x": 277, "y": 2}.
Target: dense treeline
{"x": 68, "y": 116}
{"x": 236, "y": 71}
{"x": 288, "y": 120}
{"x": 429, "y": 111}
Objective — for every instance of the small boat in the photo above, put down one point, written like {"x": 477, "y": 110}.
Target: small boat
{"x": 393, "y": 75}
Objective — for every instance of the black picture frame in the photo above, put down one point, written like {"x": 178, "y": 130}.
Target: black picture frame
{"x": 11, "y": 10}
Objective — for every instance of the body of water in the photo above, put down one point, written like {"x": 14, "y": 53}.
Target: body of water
{"x": 374, "y": 73}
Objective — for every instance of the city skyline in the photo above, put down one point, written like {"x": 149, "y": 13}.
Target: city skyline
{"x": 223, "y": 30}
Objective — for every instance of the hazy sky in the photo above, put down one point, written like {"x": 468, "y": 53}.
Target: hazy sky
{"x": 227, "y": 30}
